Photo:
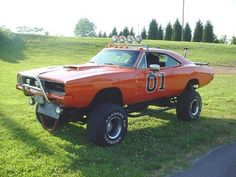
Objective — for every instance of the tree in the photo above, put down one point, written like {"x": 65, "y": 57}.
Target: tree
{"x": 126, "y": 31}
{"x": 121, "y": 33}
{"x": 198, "y": 32}
{"x": 5, "y": 35}
{"x": 187, "y": 33}
{"x": 177, "y": 31}
{"x": 208, "y": 34}
{"x": 222, "y": 40}
{"x": 233, "y": 41}
{"x": 104, "y": 35}
{"x": 160, "y": 33}
{"x": 100, "y": 34}
{"x": 114, "y": 32}
{"x": 168, "y": 33}
{"x": 84, "y": 28}
{"x": 152, "y": 32}
{"x": 144, "y": 33}
{"x": 132, "y": 32}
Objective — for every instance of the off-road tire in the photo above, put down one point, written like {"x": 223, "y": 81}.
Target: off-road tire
{"x": 107, "y": 124}
{"x": 189, "y": 105}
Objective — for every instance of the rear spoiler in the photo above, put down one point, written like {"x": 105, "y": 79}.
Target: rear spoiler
{"x": 200, "y": 63}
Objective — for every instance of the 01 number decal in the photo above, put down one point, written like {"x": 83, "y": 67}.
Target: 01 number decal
{"x": 152, "y": 82}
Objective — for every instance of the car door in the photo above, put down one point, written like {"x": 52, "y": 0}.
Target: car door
{"x": 152, "y": 84}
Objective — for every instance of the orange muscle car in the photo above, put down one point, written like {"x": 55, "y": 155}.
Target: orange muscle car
{"x": 118, "y": 80}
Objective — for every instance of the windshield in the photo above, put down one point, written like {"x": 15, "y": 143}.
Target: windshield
{"x": 116, "y": 57}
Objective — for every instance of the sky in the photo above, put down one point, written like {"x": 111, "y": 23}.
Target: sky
{"x": 59, "y": 17}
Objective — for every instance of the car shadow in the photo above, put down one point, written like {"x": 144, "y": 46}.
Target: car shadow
{"x": 152, "y": 140}
{"x": 20, "y": 133}
{"x": 159, "y": 138}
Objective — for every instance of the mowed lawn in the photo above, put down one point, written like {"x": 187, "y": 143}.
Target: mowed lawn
{"x": 155, "y": 145}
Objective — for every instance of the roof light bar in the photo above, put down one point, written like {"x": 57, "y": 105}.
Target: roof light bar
{"x": 129, "y": 40}
{"x": 114, "y": 39}
{"x": 138, "y": 39}
{"x": 122, "y": 39}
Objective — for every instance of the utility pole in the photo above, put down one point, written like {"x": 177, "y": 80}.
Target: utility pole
{"x": 182, "y": 35}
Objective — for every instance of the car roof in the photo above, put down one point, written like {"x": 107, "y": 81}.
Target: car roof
{"x": 147, "y": 49}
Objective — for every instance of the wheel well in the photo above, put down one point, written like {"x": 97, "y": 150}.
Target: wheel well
{"x": 108, "y": 95}
{"x": 193, "y": 83}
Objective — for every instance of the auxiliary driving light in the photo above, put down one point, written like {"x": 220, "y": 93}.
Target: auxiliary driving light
{"x": 58, "y": 110}
{"x": 114, "y": 38}
{"x": 138, "y": 39}
{"x": 27, "y": 81}
{"x": 130, "y": 39}
{"x": 122, "y": 39}
{"x": 36, "y": 83}
{"x": 31, "y": 101}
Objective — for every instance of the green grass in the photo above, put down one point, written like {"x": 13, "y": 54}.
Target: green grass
{"x": 155, "y": 144}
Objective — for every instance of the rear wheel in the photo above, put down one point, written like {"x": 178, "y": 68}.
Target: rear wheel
{"x": 107, "y": 124}
{"x": 189, "y": 105}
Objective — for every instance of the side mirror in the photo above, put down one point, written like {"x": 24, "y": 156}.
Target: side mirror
{"x": 155, "y": 67}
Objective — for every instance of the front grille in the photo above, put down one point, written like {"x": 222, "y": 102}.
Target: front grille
{"x": 53, "y": 87}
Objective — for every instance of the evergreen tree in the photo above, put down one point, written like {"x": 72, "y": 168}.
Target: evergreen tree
{"x": 187, "y": 33}
{"x": 168, "y": 33}
{"x": 208, "y": 34}
{"x": 132, "y": 32}
{"x": 198, "y": 32}
{"x": 114, "y": 32}
{"x": 100, "y": 34}
{"x": 144, "y": 33}
{"x": 104, "y": 35}
{"x": 177, "y": 31}
{"x": 152, "y": 32}
{"x": 160, "y": 33}
{"x": 121, "y": 33}
{"x": 126, "y": 31}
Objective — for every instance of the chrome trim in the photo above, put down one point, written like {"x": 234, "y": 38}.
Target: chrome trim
{"x": 36, "y": 88}
{"x": 41, "y": 86}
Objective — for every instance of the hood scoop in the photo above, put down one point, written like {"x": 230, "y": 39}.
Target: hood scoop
{"x": 81, "y": 67}
{"x": 74, "y": 67}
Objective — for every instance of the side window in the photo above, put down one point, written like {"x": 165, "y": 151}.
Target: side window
{"x": 152, "y": 58}
{"x": 167, "y": 61}
{"x": 143, "y": 62}
{"x": 170, "y": 62}
{"x": 157, "y": 58}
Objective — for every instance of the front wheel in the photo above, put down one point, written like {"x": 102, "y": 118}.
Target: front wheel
{"x": 189, "y": 105}
{"x": 107, "y": 124}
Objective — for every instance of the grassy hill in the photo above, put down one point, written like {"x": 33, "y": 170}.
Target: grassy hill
{"x": 62, "y": 50}
{"x": 155, "y": 143}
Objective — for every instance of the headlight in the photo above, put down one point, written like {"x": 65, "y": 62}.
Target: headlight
{"x": 19, "y": 79}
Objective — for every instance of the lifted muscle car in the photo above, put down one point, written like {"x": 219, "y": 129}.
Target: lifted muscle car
{"x": 118, "y": 80}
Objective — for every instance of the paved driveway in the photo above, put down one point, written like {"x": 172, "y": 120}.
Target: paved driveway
{"x": 220, "y": 162}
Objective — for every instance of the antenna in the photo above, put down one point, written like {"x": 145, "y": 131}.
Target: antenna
{"x": 186, "y": 52}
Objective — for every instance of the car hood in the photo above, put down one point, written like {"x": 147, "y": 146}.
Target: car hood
{"x": 67, "y": 73}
